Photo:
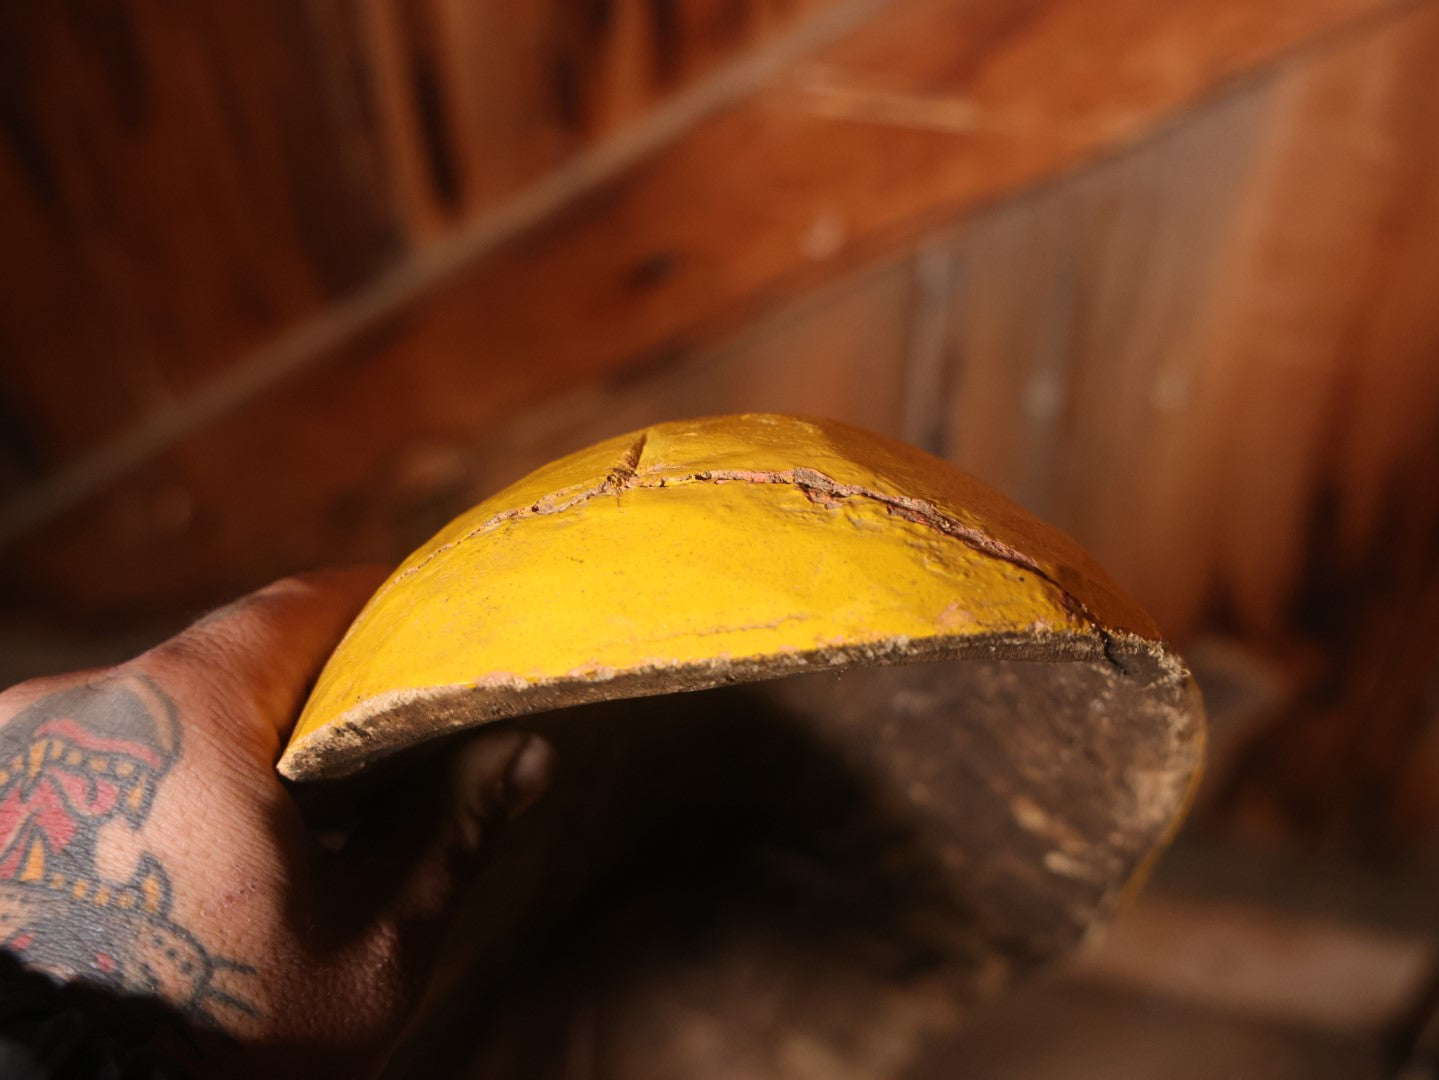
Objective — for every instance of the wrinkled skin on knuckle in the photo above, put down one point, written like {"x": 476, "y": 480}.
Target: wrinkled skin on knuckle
{"x": 204, "y": 676}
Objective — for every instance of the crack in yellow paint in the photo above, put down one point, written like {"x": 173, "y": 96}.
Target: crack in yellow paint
{"x": 730, "y": 543}
{"x": 806, "y": 480}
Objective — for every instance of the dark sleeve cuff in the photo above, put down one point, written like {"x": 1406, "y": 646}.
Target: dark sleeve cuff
{"x": 54, "y": 1030}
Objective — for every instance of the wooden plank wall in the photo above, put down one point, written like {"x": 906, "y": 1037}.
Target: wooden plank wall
{"x": 183, "y": 183}
{"x": 1173, "y": 289}
{"x": 1214, "y": 358}
{"x": 1226, "y": 368}
{"x": 201, "y": 468}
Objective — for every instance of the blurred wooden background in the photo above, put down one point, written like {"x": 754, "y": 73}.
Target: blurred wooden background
{"x": 288, "y": 284}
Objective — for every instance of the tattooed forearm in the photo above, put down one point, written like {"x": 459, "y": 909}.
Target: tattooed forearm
{"x": 72, "y": 766}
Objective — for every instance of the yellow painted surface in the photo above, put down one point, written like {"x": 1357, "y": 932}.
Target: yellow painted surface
{"x": 711, "y": 542}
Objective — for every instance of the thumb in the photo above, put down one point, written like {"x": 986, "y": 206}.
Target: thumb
{"x": 250, "y": 663}
{"x": 416, "y": 846}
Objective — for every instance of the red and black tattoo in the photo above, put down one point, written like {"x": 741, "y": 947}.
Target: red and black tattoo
{"x": 71, "y": 765}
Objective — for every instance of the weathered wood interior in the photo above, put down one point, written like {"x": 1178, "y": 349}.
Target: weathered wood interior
{"x": 829, "y": 872}
{"x": 291, "y": 284}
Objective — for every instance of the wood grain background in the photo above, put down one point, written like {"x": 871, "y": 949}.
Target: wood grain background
{"x": 290, "y": 284}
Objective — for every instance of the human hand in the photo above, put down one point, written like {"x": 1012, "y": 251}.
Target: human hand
{"x": 148, "y": 846}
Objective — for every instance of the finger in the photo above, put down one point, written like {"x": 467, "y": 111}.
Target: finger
{"x": 252, "y": 662}
{"x": 411, "y": 856}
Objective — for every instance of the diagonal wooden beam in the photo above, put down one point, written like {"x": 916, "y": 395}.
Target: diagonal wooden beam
{"x": 854, "y": 133}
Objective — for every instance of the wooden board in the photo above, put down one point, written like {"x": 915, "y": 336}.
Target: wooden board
{"x": 1213, "y": 361}
{"x": 178, "y": 184}
{"x": 182, "y": 184}
{"x": 930, "y": 111}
